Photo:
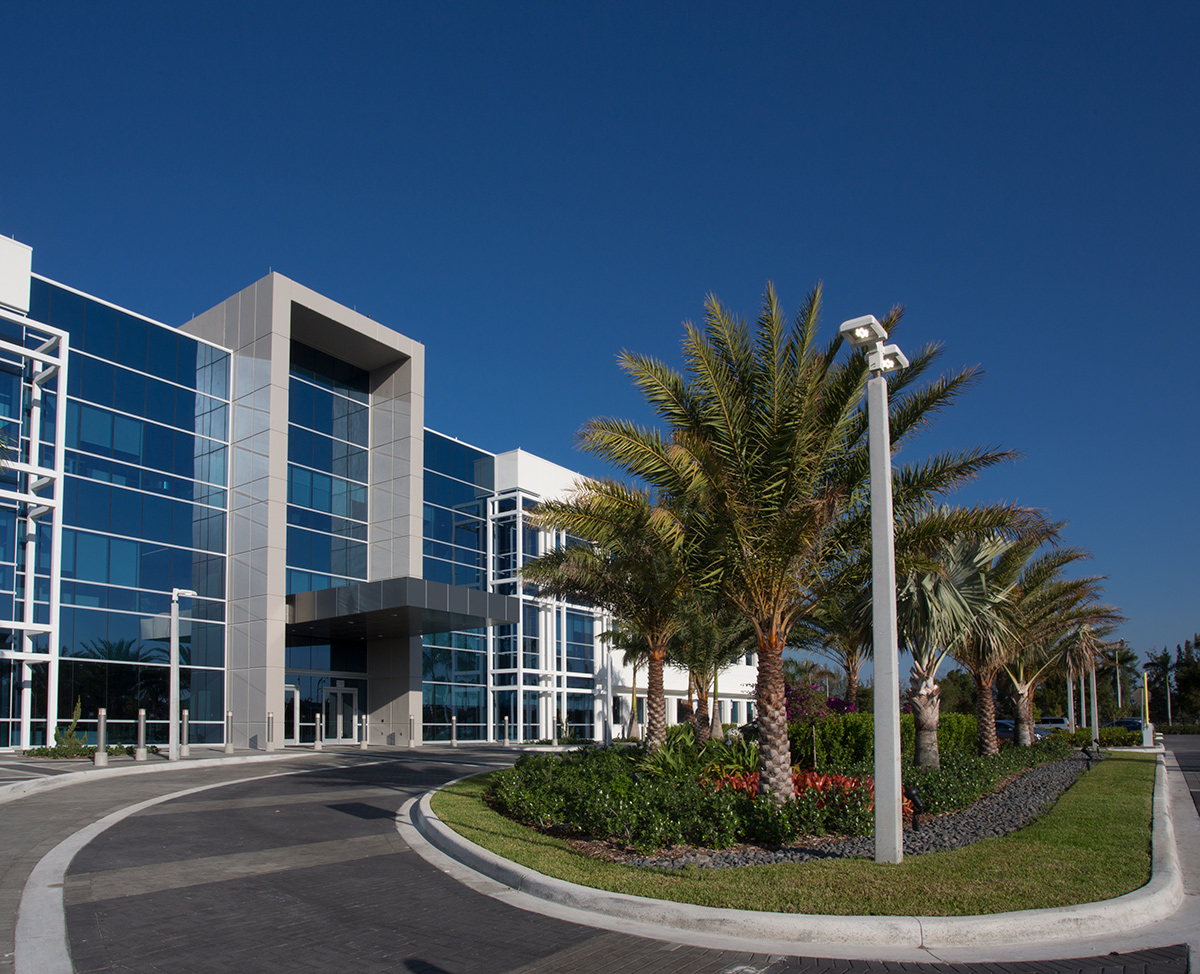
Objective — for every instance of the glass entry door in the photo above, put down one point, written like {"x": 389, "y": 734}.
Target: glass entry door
{"x": 291, "y": 714}
{"x": 341, "y": 711}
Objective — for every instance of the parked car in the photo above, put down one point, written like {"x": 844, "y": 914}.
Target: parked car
{"x": 1049, "y": 724}
{"x": 1006, "y": 730}
{"x": 1128, "y": 723}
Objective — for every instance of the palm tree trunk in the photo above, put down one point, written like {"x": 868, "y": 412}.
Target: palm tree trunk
{"x": 633, "y": 718}
{"x": 852, "y": 687}
{"x": 703, "y": 730}
{"x": 1023, "y": 705}
{"x": 656, "y": 701}
{"x": 986, "y": 708}
{"x": 925, "y": 696}
{"x": 716, "y": 729}
{"x": 774, "y": 754}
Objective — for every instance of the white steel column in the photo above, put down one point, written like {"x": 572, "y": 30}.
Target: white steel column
{"x": 29, "y": 583}
{"x": 47, "y": 362}
{"x": 1095, "y": 707}
{"x": 889, "y": 836}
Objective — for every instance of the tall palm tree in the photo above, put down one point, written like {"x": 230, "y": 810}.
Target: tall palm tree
{"x": 993, "y": 639}
{"x": 629, "y": 568}
{"x": 767, "y": 442}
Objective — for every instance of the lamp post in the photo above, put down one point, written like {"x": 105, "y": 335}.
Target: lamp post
{"x": 173, "y": 691}
{"x": 867, "y": 333}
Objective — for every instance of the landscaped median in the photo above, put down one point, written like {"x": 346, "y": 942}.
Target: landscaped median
{"x": 1094, "y": 845}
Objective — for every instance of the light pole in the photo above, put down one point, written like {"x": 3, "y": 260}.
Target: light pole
{"x": 173, "y": 691}
{"x": 867, "y": 333}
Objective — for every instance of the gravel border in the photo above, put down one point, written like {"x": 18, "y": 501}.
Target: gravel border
{"x": 1006, "y": 811}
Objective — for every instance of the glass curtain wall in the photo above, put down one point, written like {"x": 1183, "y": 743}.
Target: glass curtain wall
{"x": 556, "y": 676}
{"x": 144, "y": 512}
{"x": 328, "y": 471}
{"x": 327, "y": 515}
{"x": 458, "y": 481}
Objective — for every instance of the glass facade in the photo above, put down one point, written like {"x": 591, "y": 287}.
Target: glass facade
{"x": 328, "y": 471}
{"x": 541, "y": 677}
{"x": 149, "y": 468}
{"x": 459, "y": 479}
{"x": 327, "y": 515}
{"x": 144, "y": 511}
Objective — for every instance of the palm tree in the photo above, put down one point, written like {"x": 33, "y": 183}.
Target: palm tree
{"x": 712, "y": 637}
{"x": 1056, "y": 622}
{"x": 635, "y": 654}
{"x": 806, "y": 671}
{"x": 993, "y": 639}
{"x": 936, "y": 608}
{"x": 844, "y": 630}
{"x": 629, "y": 568}
{"x": 767, "y": 443}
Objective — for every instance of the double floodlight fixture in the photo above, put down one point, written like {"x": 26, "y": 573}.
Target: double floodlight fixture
{"x": 866, "y": 332}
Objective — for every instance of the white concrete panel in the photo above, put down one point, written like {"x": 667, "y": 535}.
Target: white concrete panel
{"x": 16, "y": 270}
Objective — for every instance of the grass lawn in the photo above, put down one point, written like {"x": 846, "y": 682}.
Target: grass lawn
{"x": 1094, "y": 844}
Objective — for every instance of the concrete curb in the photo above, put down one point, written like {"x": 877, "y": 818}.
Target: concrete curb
{"x": 1155, "y": 901}
{"x": 20, "y": 789}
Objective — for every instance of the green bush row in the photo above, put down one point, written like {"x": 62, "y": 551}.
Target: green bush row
{"x": 1109, "y": 737}
{"x": 963, "y": 778}
{"x": 1178, "y": 729}
{"x": 648, "y": 802}
{"x": 850, "y": 740}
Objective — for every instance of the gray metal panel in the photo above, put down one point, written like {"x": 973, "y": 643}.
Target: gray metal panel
{"x": 395, "y": 608}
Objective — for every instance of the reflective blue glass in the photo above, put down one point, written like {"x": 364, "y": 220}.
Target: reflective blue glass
{"x": 132, "y": 341}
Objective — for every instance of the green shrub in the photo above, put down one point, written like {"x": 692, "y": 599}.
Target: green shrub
{"x": 963, "y": 778}
{"x": 67, "y": 744}
{"x": 849, "y": 740}
{"x": 1109, "y": 737}
{"x": 708, "y": 798}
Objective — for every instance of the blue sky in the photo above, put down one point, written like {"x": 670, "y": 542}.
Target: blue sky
{"x": 528, "y": 188}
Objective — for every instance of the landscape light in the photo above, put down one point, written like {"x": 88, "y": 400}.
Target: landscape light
{"x": 863, "y": 331}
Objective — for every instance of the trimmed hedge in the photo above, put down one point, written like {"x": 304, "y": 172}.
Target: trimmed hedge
{"x": 1109, "y": 737}
{"x": 850, "y": 740}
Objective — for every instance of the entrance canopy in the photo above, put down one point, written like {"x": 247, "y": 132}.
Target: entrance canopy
{"x": 395, "y": 608}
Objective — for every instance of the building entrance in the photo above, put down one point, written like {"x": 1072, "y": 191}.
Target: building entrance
{"x": 341, "y": 711}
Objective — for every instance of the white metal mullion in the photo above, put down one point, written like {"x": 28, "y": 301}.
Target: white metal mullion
{"x": 56, "y": 524}
{"x": 29, "y": 583}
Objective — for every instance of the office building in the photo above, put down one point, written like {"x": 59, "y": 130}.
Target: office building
{"x": 352, "y": 570}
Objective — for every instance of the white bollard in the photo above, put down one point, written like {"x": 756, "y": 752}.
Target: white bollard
{"x": 506, "y": 737}
{"x": 454, "y": 731}
{"x": 270, "y": 731}
{"x": 228, "y": 731}
{"x": 184, "y": 747}
{"x": 318, "y": 744}
{"x": 412, "y": 731}
{"x": 362, "y": 744}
